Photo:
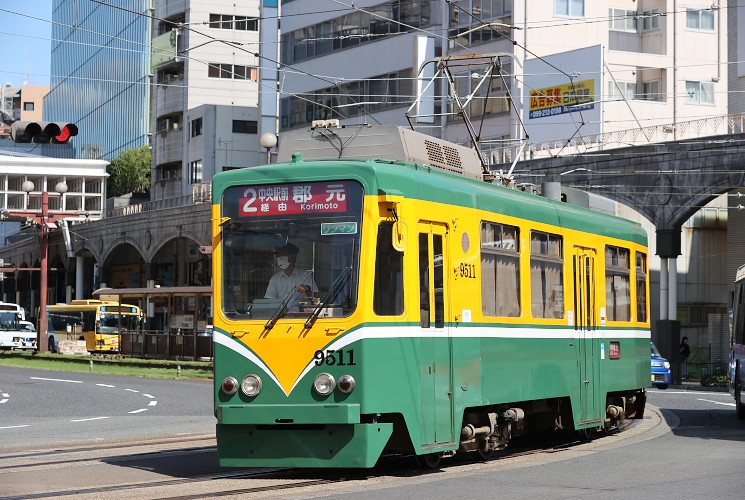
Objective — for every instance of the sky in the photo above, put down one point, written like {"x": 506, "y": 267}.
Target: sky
{"x": 25, "y": 32}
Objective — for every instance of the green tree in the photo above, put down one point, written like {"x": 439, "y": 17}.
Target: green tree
{"x": 130, "y": 172}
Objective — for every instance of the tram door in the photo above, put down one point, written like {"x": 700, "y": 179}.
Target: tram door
{"x": 585, "y": 307}
{"x": 434, "y": 346}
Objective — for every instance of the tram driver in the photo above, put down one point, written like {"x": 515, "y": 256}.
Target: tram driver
{"x": 289, "y": 277}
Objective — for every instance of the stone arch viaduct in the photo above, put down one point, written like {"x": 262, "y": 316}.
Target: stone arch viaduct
{"x": 666, "y": 182}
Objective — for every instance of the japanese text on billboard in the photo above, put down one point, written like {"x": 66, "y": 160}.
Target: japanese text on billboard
{"x": 560, "y": 99}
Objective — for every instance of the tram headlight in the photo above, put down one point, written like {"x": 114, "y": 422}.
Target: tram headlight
{"x": 346, "y": 384}
{"x": 230, "y": 386}
{"x": 324, "y": 384}
{"x": 251, "y": 385}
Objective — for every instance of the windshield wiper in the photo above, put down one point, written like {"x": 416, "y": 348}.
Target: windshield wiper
{"x": 336, "y": 287}
{"x": 282, "y": 306}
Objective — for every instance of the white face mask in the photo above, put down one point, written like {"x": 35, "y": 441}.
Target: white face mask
{"x": 283, "y": 262}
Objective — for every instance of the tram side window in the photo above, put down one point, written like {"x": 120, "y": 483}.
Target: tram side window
{"x": 547, "y": 275}
{"x": 388, "y": 294}
{"x": 424, "y": 279}
{"x": 641, "y": 287}
{"x": 500, "y": 269}
{"x": 617, "y": 284}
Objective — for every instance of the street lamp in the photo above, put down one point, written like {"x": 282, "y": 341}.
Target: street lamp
{"x": 268, "y": 140}
{"x": 42, "y": 342}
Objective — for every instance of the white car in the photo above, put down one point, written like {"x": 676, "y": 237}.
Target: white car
{"x": 27, "y": 335}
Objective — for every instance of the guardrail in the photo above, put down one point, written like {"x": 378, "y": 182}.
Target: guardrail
{"x": 167, "y": 345}
{"x": 707, "y": 374}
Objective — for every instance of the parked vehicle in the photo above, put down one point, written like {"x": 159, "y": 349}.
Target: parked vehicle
{"x": 661, "y": 376}
{"x": 27, "y": 336}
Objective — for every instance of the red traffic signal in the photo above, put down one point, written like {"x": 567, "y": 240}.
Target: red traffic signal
{"x": 43, "y": 132}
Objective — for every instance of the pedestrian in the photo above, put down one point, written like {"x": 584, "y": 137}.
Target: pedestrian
{"x": 685, "y": 352}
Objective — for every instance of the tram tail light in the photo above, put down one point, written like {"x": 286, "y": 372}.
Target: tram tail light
{"x": 230, "y": 386}
{"x": 346, "y": 384}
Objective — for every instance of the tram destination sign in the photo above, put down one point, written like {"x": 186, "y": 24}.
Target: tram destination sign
{"x": 290, "y": 199}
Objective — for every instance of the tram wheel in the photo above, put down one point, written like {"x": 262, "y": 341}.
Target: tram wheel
{"x": 429, "y": 460}
{"x": 485, "y": 455}
{"x": 585, "y": 435}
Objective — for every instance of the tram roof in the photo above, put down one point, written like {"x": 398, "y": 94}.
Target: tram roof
{"x": 390, "y": 177}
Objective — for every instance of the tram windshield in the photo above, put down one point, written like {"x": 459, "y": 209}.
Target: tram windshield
{"x": 291, "y": 250}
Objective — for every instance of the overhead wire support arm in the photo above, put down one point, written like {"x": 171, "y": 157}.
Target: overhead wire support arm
{"x": 444, "y": 65}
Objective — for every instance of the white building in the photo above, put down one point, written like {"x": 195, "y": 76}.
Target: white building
{"x": 660, "y": 72}
{"x": 207, "y": 92}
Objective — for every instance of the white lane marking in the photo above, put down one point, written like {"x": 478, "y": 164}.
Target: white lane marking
{"x": 152, "y": 403}
{"x": 58, "y": 380}
{"x": 105, "y": 385}
{"x": 138, "y": 411}
{"x": 15, "y": 426}
{"x": 716, "y": 402}
{"x": 88, "y": 419}
{"x": 131, "y": 390}
{"x": 6, "y": 395}
{"x": 4, "y": 400}
{"x": 148, "y": 396}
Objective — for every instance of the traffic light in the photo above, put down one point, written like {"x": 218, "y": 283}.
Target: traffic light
{"x": 43, "y": 132}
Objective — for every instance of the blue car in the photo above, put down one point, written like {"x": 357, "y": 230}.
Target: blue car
{"x": 661, "y": 376}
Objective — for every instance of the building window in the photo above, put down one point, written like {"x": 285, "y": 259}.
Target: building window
{"x": 621, "y": 90}
{"x": 651, "y": 20}
{"x": 699, "y": 92}
{"x": 195, "y": 172}
{"x": 700, "y": 19}
{"x": 377, "y": 93}
{"x": 28, "y": 106}
{"x": 546, "y": 275}
{"x": 232, "y": 71}
{"x": 651, "y": 91}
{"x": 355, "y": 28}
{"x": 500, "y": 270}
{"x": 623, "y": 20}
{"x": 196, "y": 127}
{"x": 230, "y": 22}
{"x": 167, "y": 123}
{"x": 617, "y": 284}
{"x": 245, "y": 126}
{"x": 489, "y": 20}
{"x": 569, "y": 7}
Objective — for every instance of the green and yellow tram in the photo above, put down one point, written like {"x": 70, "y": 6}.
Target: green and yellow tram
{"x": 374, "y": 306}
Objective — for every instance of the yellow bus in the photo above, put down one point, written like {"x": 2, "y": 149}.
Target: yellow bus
{"x": 98, "y": 322}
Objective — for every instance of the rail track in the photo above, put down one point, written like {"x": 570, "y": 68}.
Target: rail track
{"x": 82, "y": 472}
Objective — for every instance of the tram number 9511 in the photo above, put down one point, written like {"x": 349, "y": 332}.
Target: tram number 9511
{"x": 466, "y": 271}
{"x": 334, "y": 357}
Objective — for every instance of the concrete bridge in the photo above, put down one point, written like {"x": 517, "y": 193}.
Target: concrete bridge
{"x": 666, "y": 182}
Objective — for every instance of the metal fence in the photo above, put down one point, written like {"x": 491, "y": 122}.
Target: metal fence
{"x": 164, "y": 345}
{"x": 707, "y": 374}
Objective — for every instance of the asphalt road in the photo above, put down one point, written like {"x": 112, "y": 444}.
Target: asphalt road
{"x": 45, "y": 408}
{"x": 689, "y": 446}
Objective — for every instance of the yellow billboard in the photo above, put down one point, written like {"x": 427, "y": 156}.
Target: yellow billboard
{"x": 560, "y": 99}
